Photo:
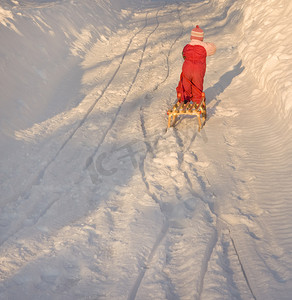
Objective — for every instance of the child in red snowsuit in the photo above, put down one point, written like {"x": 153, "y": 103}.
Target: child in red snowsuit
{"x": 190, "y": 86}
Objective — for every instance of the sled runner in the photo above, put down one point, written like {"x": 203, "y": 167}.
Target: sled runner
{"x": 190, "y": 109}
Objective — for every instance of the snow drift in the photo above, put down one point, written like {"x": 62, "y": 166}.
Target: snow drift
{"x": 266, "y": 49}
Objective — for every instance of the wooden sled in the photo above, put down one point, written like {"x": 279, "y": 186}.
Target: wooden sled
{"x": 190, "y": 109}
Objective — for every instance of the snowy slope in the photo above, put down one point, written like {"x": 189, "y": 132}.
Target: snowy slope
{"x": 98, "y": 200}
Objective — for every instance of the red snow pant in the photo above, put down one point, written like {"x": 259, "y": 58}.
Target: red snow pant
{"x": 190, "y": 86}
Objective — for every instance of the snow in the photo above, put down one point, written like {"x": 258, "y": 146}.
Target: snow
{"x": 266, "y": 49}
{"x": 98, "y": 199}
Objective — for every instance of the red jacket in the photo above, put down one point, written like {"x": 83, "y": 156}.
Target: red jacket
{"x": 191, "y": 82}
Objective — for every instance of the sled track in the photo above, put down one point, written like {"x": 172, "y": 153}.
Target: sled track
{"x": 241, "y": 266}
{"x": 38, "y": 177}
{"x": 214, "y": 239}
{"x": 17, "y": 227}
{"x": 165, "y": 228}
{"x": 142, "y": 107}
{"x": 90, "y": 158}
{"x": 223, "y": 223}
{"x": 139, "y": 279}
{"x": 150, "y": 149}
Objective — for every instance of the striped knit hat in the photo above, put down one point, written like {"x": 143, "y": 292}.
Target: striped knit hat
{"x": 197, "y": 33}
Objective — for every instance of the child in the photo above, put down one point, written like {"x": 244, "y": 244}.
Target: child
{"x": 190, "y": 86}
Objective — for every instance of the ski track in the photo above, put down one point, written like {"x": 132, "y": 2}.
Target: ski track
{"x": 37, "y": 178}
{"x": 18, "y": 227}
{"x": 89, "y": 160}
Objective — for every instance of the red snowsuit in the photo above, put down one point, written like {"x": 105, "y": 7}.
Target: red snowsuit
{"x": 190, "y": 86}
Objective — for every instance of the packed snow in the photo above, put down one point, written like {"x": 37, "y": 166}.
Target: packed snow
{"x": 99, "y": 200}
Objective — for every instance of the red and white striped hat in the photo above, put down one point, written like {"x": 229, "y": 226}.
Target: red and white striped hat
{"x": 197, "y": 33}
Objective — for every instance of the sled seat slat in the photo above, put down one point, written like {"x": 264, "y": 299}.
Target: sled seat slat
{"x": 189, "y": 109}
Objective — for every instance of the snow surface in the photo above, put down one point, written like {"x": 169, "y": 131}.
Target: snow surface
{"x": 98, "y": 199}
